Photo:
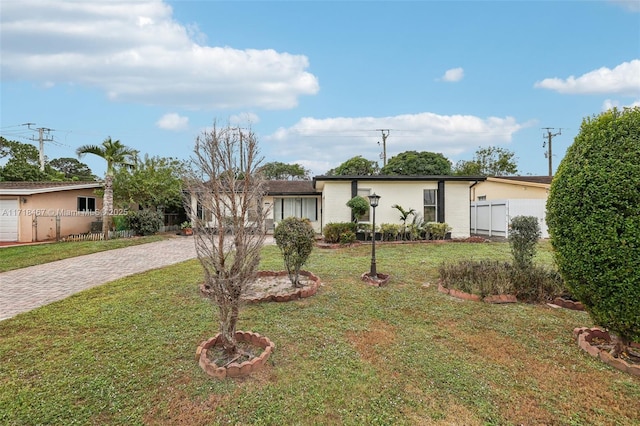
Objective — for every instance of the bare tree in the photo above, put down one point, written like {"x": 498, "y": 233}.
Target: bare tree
{"x": 225, "y": 204}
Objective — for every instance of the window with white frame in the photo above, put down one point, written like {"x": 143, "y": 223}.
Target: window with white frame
{"x": 364, "y": 193}
{"x": 430, "y": 204}
{"x": 86, "y": 204}
{"x": 482, "y": 198}
{"x": 306, "y": 208}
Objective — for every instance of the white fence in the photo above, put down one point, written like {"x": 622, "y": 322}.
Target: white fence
{"x": 492, "y": 218}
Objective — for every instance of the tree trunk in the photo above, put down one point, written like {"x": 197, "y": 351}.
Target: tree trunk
{"x": 228, "y": 321}
{"x": 619, "y": 345}
{"x": 107, "y": 205}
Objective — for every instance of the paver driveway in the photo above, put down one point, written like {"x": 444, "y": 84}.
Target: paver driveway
{"x": 24, "y": 289}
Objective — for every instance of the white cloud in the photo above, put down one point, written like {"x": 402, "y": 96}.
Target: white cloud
{"x": 453, "y": 75}
{"x": 321, "y": 144}
{"x": 173, "y": 121}
{"x": 623, "y": 79}
{"x": 631, "y": 5}
{"x": 609, "y": 104}
{"x": 136, "y": 52}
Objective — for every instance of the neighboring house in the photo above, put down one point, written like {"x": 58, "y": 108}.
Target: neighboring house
{"x": 498, "y": 199}
{"x": 436, "y": 198}
{"x": 40, "y": 211}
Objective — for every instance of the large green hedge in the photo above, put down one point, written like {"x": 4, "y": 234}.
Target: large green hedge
{"x": 593, "y": 214}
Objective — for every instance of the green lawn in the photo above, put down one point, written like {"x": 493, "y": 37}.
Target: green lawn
{"x": 21, "y": 256}
{"x": 123, "y": 353}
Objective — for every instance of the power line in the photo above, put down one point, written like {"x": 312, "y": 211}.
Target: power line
{"x": 41, "y": 139}
{"x": 385, "y": 135}
{"x": 547, "y": 143}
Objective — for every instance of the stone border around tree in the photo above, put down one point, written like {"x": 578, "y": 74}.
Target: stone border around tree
{"x": 234, "y": 369}
{"x": 382, "y": 280}
{"x": 495, "y": 299}
{"x": 568, "y": 304}
{"x": 295, "y": 294}
{"x": 585, "y": 336}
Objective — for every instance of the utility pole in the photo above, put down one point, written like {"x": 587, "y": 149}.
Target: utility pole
{"x": 385, "y": 135}
{"x": 549, "y": 153}
{"x": 42, "y": 140}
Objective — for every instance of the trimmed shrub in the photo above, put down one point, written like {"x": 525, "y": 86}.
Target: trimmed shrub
{"x": 537, "y": 284}
{"x": 347, "y": 237}
{"x": 332, "y": 232}
{"x": 295, "y": 239}
{"x": 593, "y": 214}
{"x": 144, "y": 222}
{"x": 359, "y": 207}
{"x": 523, "y": 238}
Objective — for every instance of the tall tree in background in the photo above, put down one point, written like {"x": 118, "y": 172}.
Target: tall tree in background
{"x": 23, "y": 163}
{"x": 276, "y": 170}
{"x": 355, "y": 166}
{"x": 155, "y": 183}
{"x": 410, "y": 163}
{"x": 489, "y": 161}
{"x": 116, "y": 155}
{"x": 72, "y": 169}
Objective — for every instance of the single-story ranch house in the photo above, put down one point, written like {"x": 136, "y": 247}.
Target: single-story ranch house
{"x": 39, "y": 211}
{"x": 323, "y": 200}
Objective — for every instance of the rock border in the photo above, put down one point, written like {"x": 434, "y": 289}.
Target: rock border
{"x": 585, "y": 335}
{"x": 295, "y": 294}
{"x": 568, "y": 304}
{"x": 234, "y": 369}
{"x": 382, "y": 279}
{"x": 494, "y": 298}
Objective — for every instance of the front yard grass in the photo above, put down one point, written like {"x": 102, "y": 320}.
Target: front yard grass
{"x": 123, "y": 353}
{"x": 21, "y": 256}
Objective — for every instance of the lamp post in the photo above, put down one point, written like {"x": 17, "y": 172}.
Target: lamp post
{"x": 373, "y": 201}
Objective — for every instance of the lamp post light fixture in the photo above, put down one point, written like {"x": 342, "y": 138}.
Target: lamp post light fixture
{"x": 373, "y": 201}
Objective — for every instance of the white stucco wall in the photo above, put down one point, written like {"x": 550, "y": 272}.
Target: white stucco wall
{"x": 407, "y": 194}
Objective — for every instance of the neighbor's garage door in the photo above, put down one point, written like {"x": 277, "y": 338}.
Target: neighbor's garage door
{"x": 9, "y": 220}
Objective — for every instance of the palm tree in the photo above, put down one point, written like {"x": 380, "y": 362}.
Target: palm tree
{"x": 115, "y": 154}
{"x": 404, "y": 215}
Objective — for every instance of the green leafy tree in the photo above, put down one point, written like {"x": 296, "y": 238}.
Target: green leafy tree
{"x": 356, "y": 166}
{"x": 490, "y": 161}
{"x": 295, "y": 239}
{"x": 116, "y": 155}
{"x": 154, "y": 183}
{"x": 410, "y": 163}
{"x": 593, "y": 214}
{"x": 276, "y": 170}
{"x": 23, "y": 163}
{"x": 72, "y": 169}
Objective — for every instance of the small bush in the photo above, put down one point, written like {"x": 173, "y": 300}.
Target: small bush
{"x": 390, "y": 231}
{"x": 347, "y": 237}
{"x": 295, "y": 238}
{"x": 333, "y": 231}
{"x": 523, "y": 238}
{"x": 488, "y": 277}
{"x": 437, "y": 230}
{"x": 537, "y": 284}
{"x": 484, "y": 277}
{"x": 144, "y": 222}
{"x": 119, "y": 223}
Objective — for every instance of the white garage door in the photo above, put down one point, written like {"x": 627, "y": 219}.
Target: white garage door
{"x": 9, "y": 220}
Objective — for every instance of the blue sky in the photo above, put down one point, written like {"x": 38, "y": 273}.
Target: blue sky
{"x": 316, "y": 79}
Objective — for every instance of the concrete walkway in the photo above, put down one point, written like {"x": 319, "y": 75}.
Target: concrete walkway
{"x": 24, "y": 289}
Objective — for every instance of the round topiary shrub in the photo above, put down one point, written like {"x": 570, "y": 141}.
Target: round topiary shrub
{"x": 593, "y": 214}
{"x": 295, "y": 238}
